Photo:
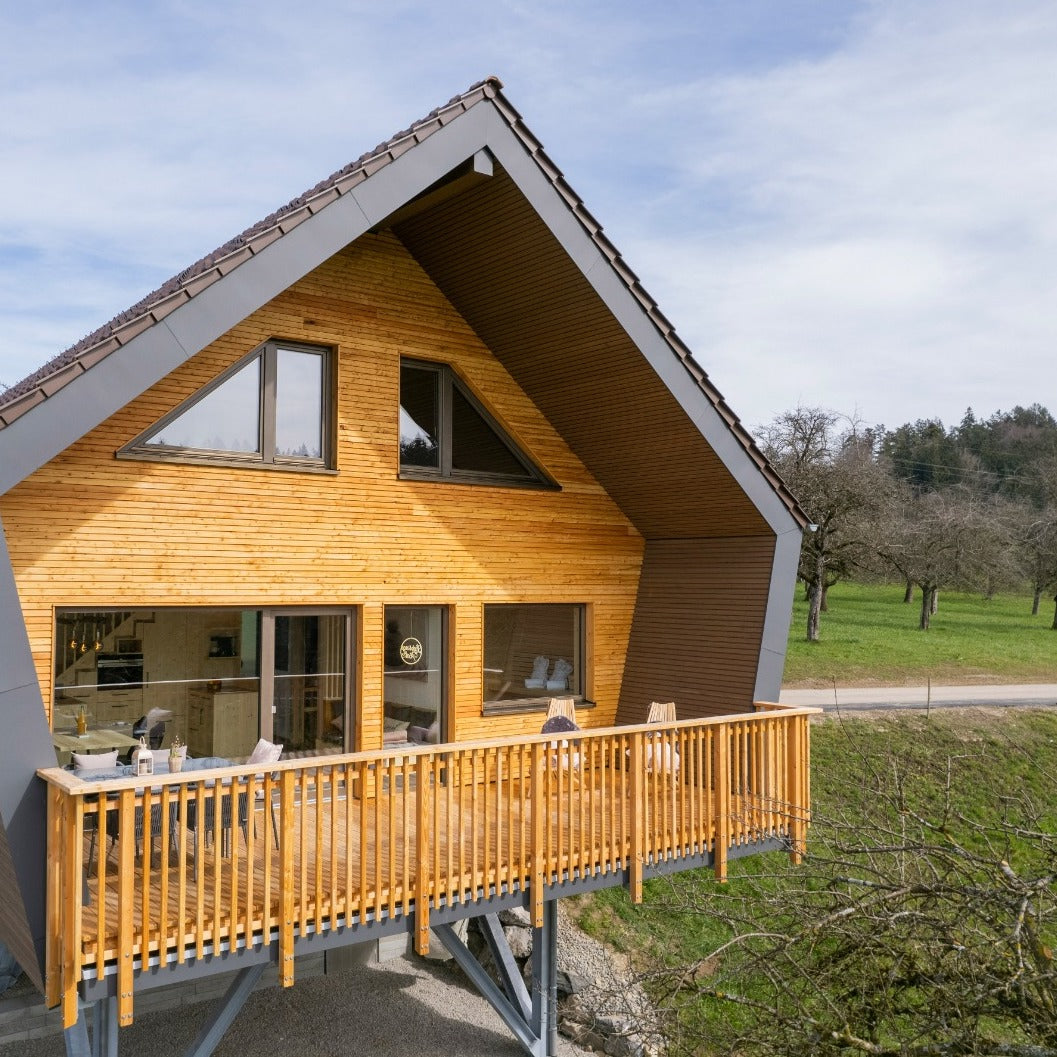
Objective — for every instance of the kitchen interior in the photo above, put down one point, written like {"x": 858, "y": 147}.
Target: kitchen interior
{"x": 193, "y": 670}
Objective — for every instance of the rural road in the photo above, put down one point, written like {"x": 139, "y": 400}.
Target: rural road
{"x": 860, "y": 699}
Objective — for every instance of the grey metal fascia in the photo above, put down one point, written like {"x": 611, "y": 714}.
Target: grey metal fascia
{"x": 41, "y": 433}
{"x": 778, "y": 616}
{"x": 598, "y": 271}
{"x": 24, "y": 747}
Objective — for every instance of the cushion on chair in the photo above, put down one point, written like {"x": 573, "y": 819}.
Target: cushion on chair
{"x": 558, "y": 724}
{"x": 95, "y": 761}
{"x": 265, "y": 752}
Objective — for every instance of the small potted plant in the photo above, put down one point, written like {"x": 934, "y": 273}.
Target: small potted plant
{"x": 176, "y": 755}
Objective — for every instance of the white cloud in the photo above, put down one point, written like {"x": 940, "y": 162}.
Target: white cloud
{"x": 850, "y": 203}
{"x": 886, "y": 238}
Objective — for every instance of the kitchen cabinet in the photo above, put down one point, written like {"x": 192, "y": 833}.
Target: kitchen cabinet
{"x": 221, "y": 724}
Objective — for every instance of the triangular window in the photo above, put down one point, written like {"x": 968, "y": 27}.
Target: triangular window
{"x": 446, "y": 433}
{"x": 271, "y": 408}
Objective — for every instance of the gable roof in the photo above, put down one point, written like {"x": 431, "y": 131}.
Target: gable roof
{"x": 185, "y": 313}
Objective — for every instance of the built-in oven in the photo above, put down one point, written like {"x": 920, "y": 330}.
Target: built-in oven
{"x": 120, "y": 670}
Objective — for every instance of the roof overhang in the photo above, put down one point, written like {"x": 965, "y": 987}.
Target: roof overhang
{"x": 435, "y": 165}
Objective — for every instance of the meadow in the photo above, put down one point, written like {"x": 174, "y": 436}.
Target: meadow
{"x": 973, "y": 769}
{"x": 970, "y": 767}
{"x": 870, "y": 637}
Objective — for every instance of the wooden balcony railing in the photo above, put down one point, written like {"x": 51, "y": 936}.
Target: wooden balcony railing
{"x": 177, "y": 868}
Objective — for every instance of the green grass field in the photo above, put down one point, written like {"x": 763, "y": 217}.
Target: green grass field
{"x": 870, "y": 637}
{"x": 982, "y": 751}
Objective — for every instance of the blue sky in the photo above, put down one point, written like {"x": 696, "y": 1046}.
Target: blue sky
{"x": 844, "y": 204}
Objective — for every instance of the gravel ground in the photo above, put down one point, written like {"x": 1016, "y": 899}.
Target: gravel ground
{"x": 400, "y": 1008}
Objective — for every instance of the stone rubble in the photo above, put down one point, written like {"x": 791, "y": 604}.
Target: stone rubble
{"x": 600, "y": 1007}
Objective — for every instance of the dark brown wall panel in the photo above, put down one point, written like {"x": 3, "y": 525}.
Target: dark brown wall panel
{"x": 696, "y": 631}
{"x": 506, "y": 274}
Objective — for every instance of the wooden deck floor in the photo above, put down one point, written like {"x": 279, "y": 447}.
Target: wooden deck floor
{"x": 240, "y": 857}
{"x": 351, "y": 860}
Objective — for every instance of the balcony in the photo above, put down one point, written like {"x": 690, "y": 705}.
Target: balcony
{"x": 239, "y": 864}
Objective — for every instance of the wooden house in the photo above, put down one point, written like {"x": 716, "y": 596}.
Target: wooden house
{"x": 376, "y": 481}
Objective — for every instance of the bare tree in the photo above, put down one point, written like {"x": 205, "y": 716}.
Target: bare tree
{"x": 911, "y": 930}
{"x": 952, "y": 538}
{"x": 829, "y": 464}
{"x": 1039, "y": 535}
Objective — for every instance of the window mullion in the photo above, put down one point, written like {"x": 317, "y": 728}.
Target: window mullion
{"x": 268, "y": 376}
{"x": 445, "y": 411}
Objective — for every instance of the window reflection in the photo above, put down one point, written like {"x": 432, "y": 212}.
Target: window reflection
{"x": 226, "y": 419}
{"x": 298, "y": 406}
{"x": 419, "y": 417}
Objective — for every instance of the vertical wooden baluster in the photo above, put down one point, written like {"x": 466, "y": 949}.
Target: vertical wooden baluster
{"x": 354, "y": 798}
{"x": 405, "y": 883}
{"x": 330, "y": 846}
{"x": 126, "y": 902}
{"x": 394, "y": 792}
{"x": 639, "y": 815}
{"x": 794, "y": 784}
{"x": 101, "y": 925}
{"x": 252, "y": 852}
{"x": 424, "y": 877}
{"x": 365, "y": 769}
{"x": 721, "y": 771}
{"x": 287, "y": 781}
{"x": 539, "y": 850}
{"x": 58, "y": 865}
{"x": 72, "y": 853}
{"x": 269, "y": 853}
{"x": 502, "y": 861}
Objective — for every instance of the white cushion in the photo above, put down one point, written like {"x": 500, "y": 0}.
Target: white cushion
{"x": 662, "y": 759}
{"x": 265, "y": 752}
{"x": 95, "y": 761}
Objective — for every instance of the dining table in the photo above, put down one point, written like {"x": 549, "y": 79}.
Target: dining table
{"x": 201, "y": 764}
{"x": 99, "y": 739}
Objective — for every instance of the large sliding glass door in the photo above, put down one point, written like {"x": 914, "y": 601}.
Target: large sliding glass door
{"x": 217, "y": 678}
{"x": 308, "y": 657}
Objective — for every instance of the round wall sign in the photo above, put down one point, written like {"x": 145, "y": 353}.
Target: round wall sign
{"x": 410, "y": 651}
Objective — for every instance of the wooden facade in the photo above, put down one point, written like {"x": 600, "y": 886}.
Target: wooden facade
{"x": 89, "y": 530}
{"x": 650, "y": 512}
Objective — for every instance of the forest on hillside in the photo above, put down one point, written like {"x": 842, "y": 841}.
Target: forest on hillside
{"x": 967, "y": 507}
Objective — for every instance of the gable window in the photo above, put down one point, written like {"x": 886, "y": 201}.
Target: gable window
{"x": 272, "y": 408}
{"x": 446, "y": 433}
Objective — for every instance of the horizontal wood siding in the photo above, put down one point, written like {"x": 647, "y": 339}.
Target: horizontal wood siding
{"x": 502, "y": 268}
{"x": 88, "y": 530}
{"x": 697, "y": 629}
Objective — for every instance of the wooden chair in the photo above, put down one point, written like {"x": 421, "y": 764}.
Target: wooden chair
{"x": 564, "y": 756}
{"x": 562, "y": 706}
{"x": 660, "y": 756}
{"x": 661, "y": 712}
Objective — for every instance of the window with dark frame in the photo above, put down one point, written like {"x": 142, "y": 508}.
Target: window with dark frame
{"x": 532, "y": 652}
{"x": 272, "y": 408}
{"x": 445, "y": 433}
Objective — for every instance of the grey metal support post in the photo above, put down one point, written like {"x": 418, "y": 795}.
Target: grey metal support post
{"x": 104, "y": 1027}
{"x": 76, "y": 1039}
{"x": 545, "y": 978}
{"x": 103, "y": 1042}
{"x": 213, "y": 1030}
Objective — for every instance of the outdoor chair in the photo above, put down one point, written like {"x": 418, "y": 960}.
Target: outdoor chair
{"x": 661, "y": 756}
{"x": 564, "y": 756}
